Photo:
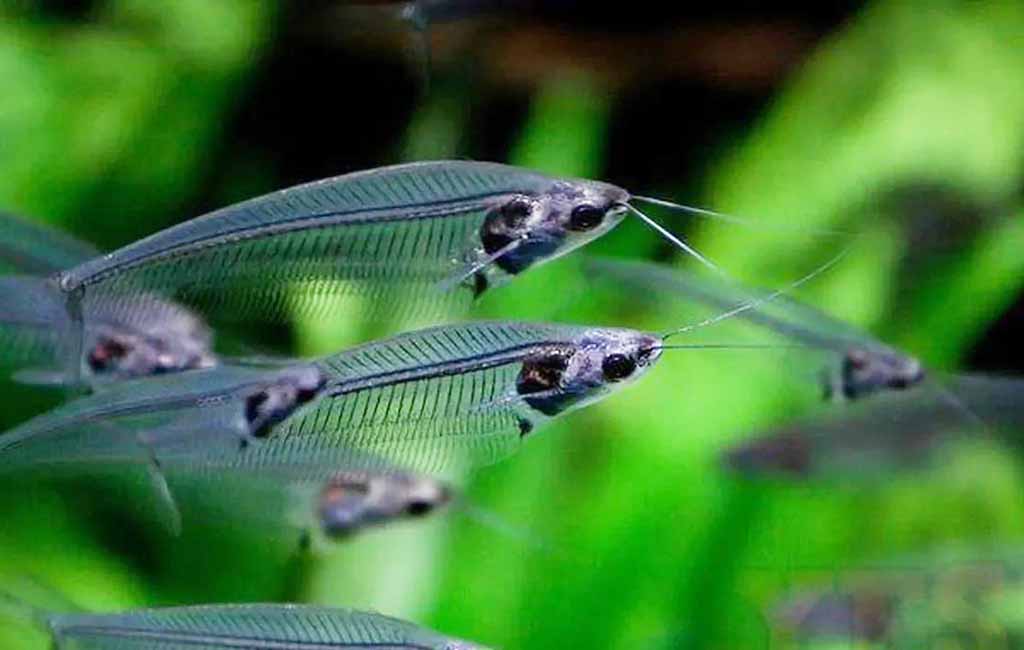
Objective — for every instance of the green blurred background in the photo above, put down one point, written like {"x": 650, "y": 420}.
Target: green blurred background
{"x": 902, "y": 121}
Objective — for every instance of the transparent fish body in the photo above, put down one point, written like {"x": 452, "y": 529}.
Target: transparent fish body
{"x": 243, "y": 627}
{"x": 418, "y": 234}
{"x": 31, "y": 248}
{"x": 152, "y": 337}
{"x": 904, "y": 601}
{"x": 461, "y": 396}
{"x": 334, "y": 492}
{"x": 893, "y": 432}
{"x": 859, "y": 364}
{"x": 159, "y": 418}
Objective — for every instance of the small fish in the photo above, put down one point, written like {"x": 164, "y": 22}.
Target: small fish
{"x": 235, "y": 627}
{"x": 416, "y": 232}
{"x": 153, "y": 337}
{"x": 906, "y": 602}
{"x": 891, "y": 433}
{"x": 31, "y": 248}
{"x": 863, "y": 365}
{"x": 337, "y": 492}
{"x": 353, "y": 500}
{"x": 862, "y": 615}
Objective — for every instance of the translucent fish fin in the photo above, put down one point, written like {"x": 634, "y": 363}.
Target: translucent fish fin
{"x": 495, "y": 522}
{"x": 168, "y": 507}
{"x": 471, "y": 269}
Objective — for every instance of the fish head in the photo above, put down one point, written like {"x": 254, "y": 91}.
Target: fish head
{"x": 353, "y": 500}
{"x": 271, "y": 403}
{"x": 596, "y": 363}
{"x": 459, "y": 644}
{"x": 117, "y": 355}
{"x": 146, "y": 336}
{"x": 864, "y": 372}
{"x": 526, "y": 230}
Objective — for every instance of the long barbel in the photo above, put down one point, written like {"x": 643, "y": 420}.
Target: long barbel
{"x": 863, "y": 365}
{"x": 238, "y": 627}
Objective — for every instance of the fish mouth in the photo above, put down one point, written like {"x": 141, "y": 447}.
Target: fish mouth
{"x": 649, "y": 351}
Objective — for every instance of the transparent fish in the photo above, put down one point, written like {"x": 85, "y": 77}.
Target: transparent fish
{"x": 152, "y": 337}
{"x": 911, "y": 602}
{"x": 894, "y": 432}
{"x": 239, "y": 627}
{"x": 860, "y": 365}
{"x": 31, "y": 248}
{"x": 414, "y": 235}
{"x": 334, "y": 493}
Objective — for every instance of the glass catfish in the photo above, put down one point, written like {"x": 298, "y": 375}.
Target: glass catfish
{"x": 417, "y": 233}
{"x": 235, "y": 627}
{"x": 862, "y": 365}
{"x": 335, "y": 492}
{"x": 894, "y": 432}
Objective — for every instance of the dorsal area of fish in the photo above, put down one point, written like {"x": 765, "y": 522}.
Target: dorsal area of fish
{"x": 254, "y": 626}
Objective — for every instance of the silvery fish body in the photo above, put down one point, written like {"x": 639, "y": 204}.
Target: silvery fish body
{"x": 243, "y": 627}
{"x": 892, "y": 432}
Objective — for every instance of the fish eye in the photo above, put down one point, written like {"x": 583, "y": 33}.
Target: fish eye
{"x": 419, "y": 508}
{"x": 617, "y": 366}
{"x": 585, "y": 217}
{"x": 253, "y": 405}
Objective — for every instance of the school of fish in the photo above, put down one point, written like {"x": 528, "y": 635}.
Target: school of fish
{"x": 383, "y": 431}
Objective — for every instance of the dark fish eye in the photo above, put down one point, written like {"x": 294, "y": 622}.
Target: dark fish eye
{"x": 419, "y": 508}
{"x": 617, "y": 366}
{"x": 253, "y": 406}
{"x": 585, "y": 217}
